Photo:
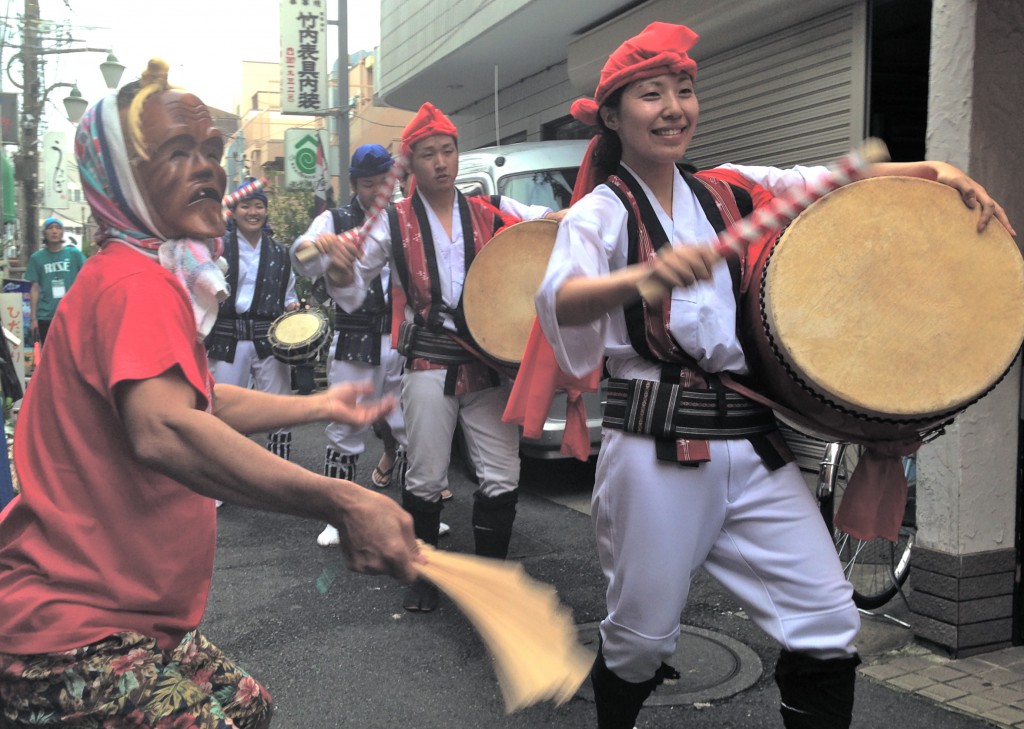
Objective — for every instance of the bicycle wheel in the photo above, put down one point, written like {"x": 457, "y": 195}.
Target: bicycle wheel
{"x": 877, "y": 569}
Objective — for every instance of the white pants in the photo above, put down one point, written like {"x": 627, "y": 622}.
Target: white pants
{"x": 430, "y": 419}
{"x": 267, "y": 374}
{"x": 758, "y": 532}
{"x": 386, "y": 379}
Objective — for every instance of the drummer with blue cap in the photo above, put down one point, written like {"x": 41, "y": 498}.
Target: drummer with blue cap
{"x": 361, "y": 350}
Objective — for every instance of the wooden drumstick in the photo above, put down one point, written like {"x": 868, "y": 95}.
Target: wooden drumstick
{"x": 782, "y": 209}
{"x": 380, "y": 203}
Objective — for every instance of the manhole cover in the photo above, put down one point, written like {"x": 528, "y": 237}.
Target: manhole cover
{"x": 712, "y": 667}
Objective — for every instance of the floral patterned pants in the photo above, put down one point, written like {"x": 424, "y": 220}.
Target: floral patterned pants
{"x": 127, "y": 680}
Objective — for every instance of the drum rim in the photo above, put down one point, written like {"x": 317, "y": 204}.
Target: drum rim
{"x": 289, "y": 354}
{"x": 466, "y": 285}
{"x": 931, "y": 423}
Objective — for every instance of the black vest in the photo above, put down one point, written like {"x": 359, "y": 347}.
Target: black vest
{"x": 267, "y": 300}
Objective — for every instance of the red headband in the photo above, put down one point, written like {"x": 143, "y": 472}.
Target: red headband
{"x": 661, "y": 48}
{"x": 428, "y": 121}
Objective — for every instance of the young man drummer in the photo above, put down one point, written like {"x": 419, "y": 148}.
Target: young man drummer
{"x": 362, "y": 350}
{"x": 262, "y": 289}
{"x": 430, "y": 239}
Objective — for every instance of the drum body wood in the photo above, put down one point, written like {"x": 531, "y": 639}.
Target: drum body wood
{"x": 300, "y": 336}
{"x": 497, "y": 298}
{"x": 880, "y": 312}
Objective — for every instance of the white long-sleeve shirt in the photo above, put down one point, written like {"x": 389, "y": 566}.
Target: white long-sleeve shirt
{"x": 593, "y": 240}
{"x": 451, "y": 261}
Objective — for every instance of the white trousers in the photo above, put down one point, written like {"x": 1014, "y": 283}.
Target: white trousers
{"x": 758, "y": 532}
{"x": 386, "y": 379}
{"x": 266, "y": 375}
{"x": 430, "y": 419}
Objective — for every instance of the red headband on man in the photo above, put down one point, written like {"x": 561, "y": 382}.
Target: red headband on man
{"x": 661, "y": 48}
{"x": 428, "y": 121}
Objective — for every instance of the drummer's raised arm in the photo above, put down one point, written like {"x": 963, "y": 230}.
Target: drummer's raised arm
{"x": 351, "y": 268}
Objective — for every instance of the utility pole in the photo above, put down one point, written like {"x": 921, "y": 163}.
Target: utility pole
{"x": 31, "y": 114}
{"x": 342, "y": 117}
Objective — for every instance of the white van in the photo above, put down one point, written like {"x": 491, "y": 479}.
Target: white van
{"x": 534, "y": 173}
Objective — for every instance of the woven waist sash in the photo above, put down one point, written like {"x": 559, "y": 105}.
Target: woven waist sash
{"x": 417, "y": 342}
{"x": 669, "y": 411}
{"x": 242, "y": 329}
{"x": 362, "y": 323}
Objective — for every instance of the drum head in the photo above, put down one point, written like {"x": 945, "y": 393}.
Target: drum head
{"x": 884, "y": 298}
{"x": 498, "y": 295}
{"x": 297, "y": 328}
{"x": 298, "y": 336}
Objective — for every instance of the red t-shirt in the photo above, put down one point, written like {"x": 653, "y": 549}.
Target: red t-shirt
{"x": 97, "y": 543}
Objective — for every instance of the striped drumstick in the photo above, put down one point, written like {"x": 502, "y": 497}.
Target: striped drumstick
{"x": 241, "y": 193}
{"x": 783, "y": 209}
{"x": 380, "y": 203}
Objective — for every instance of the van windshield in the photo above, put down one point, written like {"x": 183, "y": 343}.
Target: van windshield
{"x": 551, "y": 188}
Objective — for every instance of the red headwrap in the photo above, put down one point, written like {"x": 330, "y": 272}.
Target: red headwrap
{"x": 428, "y": 121}
{"x": 661, "y": 48}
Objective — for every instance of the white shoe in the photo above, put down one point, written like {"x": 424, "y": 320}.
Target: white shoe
{"x": 219, "y": 503}
{"x": 329, "y": 537}
{"x": 443, "y": 529}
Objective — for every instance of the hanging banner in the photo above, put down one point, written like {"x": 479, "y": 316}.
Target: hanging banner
{"x": 304, "y": 57}
{"x": 55, "y": 174}
{"x": 9, "y": 129}
{"x": 303, "y": 158}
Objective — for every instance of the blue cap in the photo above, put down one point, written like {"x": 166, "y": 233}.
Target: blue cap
{"x": 50, "y": 221}
{"x": 258, "y": 195}
{"x": 370, "y": 160}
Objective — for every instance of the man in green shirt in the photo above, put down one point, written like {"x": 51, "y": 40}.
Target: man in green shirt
{"x": 51, "y": 270}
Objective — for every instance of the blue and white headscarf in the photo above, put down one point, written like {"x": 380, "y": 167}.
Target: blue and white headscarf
{"x": 121, "y": 213}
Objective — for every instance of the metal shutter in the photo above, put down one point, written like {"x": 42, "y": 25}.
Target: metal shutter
{"x": 794, "y": 97}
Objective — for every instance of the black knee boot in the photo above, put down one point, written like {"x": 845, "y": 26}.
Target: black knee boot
{"x": 492, "y": 523}
{"x": 426, "y": 521}
{"x": 816, "y": 694}
{"x": 618, "y": 701}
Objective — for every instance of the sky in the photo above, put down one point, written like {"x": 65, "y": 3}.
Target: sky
{"x": 203, "y": 41}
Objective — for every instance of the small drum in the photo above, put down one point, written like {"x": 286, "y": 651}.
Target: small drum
{"x": 299, "y": 336}
{"x": 880, "y": 312}
{"x": 497, "y": 297}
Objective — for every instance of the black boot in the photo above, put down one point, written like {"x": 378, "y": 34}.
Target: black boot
{"x": 426, "y": 520}
{"x": 492, "y": 523}
{"x": 618, "y": 701}
{"x": 816, "y": 694}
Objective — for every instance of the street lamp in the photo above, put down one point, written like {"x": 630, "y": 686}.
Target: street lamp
{"x": 27, "y": 164}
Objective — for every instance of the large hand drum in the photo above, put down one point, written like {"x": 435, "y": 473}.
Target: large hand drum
{"x": 884, "y": 312}
{"x": 498, "y": 294}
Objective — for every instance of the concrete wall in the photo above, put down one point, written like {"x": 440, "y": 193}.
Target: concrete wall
{"x": 967, "y": 479}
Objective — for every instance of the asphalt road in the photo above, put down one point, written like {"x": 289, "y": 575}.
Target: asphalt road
{"x": 353, "y": 658}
